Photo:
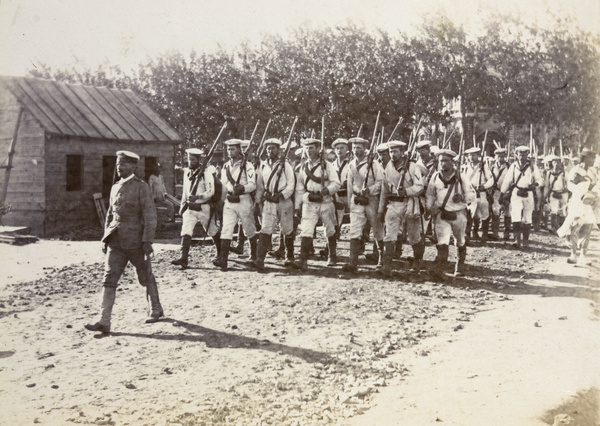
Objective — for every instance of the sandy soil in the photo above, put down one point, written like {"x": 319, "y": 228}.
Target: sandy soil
{"x": 514, "y": 343}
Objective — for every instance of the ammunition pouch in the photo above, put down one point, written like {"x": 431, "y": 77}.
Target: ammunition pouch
{"x": 446, "y": 215}
{"x": 458, "y": 198}
{"x": 339, "y": 205}
{"x": 396, "y": 198}
{"x": 361, "y": 200}
{"x": 342, "y": 193}
{"x": 557, "y": 195}
{"x": 315, "y": 197}
{"x": 194, "y": 207}
{"x": 272, "y": 198}
{"x": 523, "y": 193}
{"x": 232, "y": 198}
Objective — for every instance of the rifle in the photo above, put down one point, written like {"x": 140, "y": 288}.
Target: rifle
{"x": 396, "y": 128}
{"x": 374, "y": 143}
{"x": 323, "y": 165}
{"x": 245, "y": 154}
{"x": 359, "y": 129}
{"x": 203, "y": 167}
{"x": 261, "y": 147}
{"x": 482, "y": 165}
{"x": 285, "y": 153}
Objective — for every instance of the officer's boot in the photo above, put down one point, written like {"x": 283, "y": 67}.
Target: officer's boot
{"x": 440, "y": 262}
{"x": 507, "y": 223}
{"x": 332, "y": 248}
{"x": 516, "y": 227}
{"x": 485, "y": 227}
{"x": 108, "y": 300}
{"x": 418, "y": 251}
{"x": 217, "y": 242}
{"x": 495, "y": 227}
{"x": 221, "y": 262}
{"x": 525, "y": 229}
{"x": 289, "y": 250}
{"x": 186, "y": 242}
{"x": 380, "y": 254}
{"x": 239, "y": 249}
{"x": 388, "y": 255}
{"x": 156, "y": 310}
{"x": 475, "y": 233}
{"x": 253, "y": 246}
{"x": 280, "y": 252}
{"x": 352, "y": 265}
{"x": 261, "y": 250}
{"x": 305, "y": 245}
{"x": 459, "y": 269}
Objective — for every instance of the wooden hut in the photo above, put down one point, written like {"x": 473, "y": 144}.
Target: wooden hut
{"x": 65, "y": 138}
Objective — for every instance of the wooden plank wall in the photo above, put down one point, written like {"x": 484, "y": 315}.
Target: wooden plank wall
{"x": 69, "y": 209}
{"x": 26, "y": 184}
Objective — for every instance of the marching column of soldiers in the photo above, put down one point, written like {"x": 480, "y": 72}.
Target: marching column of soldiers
{"x": 396, "y": 192}
{"x": 391, "y": 191}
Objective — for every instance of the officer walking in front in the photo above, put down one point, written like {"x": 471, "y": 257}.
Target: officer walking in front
{"x": 128, "y": 237}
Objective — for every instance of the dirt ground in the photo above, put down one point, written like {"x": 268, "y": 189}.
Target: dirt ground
{"x": 516, "y": 342}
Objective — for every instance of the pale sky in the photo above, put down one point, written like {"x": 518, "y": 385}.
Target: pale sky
{"x": 63, "y": 33}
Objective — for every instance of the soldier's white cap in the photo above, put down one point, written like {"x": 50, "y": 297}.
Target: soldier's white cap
{"x": 383, "y": 147}
{"x": 500, "y": 151}
{"x": 566, "y": 157}
{"x": 128, "y": 156}
{"x": 194, "y": 151}
{"x": 551, "y": 157}
{"x": 273, "y": 141}
{"x": 339, "y": 141}
{"x": 298, "y": 152}
{"x": 245, "y": 144}
{"x": 234, "y": 142}
{"x": 473, "y": 150}
{"x": 540, "y": 157}
{"x": 522, "y": 148}
{"x": 586, "y": 151}
{"x": 293, "y": 143}
{"x": 396, "y": 144}
{"x": 447, "y": 152}
{"x": 310, "y": 141}
{"x": 358, "y": 140}
{"x": 423, "y": 144}
{"x": 434, "y": 149}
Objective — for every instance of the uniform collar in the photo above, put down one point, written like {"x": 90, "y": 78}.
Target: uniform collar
{"x": 127, "y": 179}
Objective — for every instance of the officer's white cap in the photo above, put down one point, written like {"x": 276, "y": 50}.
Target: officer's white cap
{"x": 128, "y": 155}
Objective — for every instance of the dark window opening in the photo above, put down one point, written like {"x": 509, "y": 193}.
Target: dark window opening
{"x": 74, "y": 172}
{"x": 149, "y": 165}
{"x": 108, "y": 174}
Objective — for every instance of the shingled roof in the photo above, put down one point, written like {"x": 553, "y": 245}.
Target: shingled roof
{"x": 88, "y": 111}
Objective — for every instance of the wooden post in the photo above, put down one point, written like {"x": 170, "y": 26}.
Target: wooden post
{"x": 11, "y": 153}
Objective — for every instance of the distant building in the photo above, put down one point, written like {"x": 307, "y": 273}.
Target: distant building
{"x": 66, "y": 139}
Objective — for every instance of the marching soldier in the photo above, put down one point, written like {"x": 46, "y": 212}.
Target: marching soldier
{"x": 198, "y": 189}
{"x": 383, "y": 154}
{"x": 482, "y": 180}
{"x": 556, "y": 193}
{"x": 128, "y": 236}
{"x": 239, "y": 180}
{"x": 364, "y": 186}
{"x": 399, "y": 206}
{"x": 428, "y": 164}
{"x": 341, "y": 163}
{"x": 448, "y": 195}
{"x": 316, "y": 184}
{"x": 499, "y": 169}
{"x": 275, "y": 184}
{"x": 522, "y": 178}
